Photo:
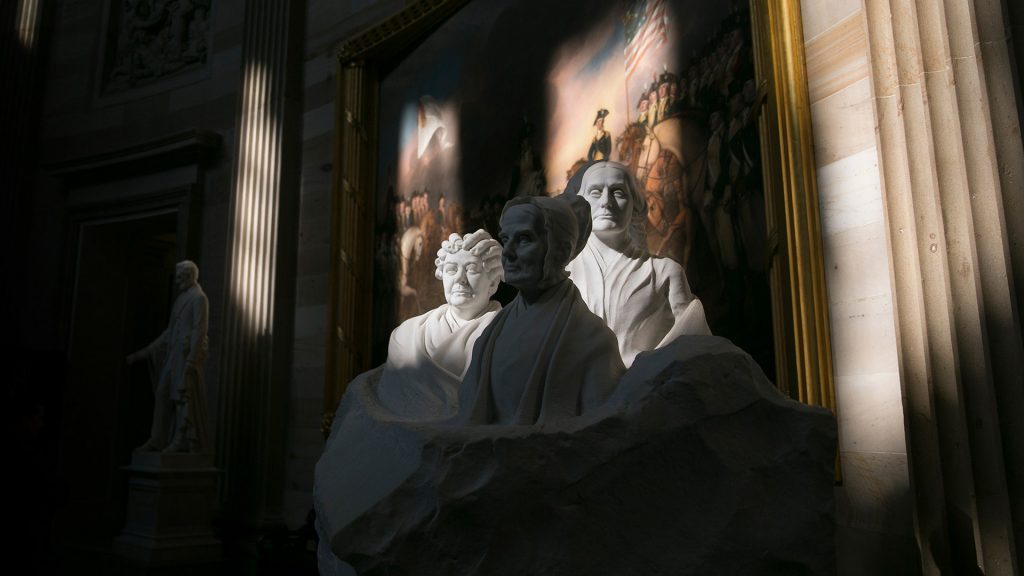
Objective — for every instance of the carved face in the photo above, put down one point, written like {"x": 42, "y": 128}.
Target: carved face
{"x": 606, "y": 189}
{"x": 467, "y": 285}
{"x": 525, "y": 245}
{"x": 182, "y": 277}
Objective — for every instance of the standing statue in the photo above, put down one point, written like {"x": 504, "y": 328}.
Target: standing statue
{"x": 645, "y": 299}
{"x": 428, "y": 355}
{"x": 544, "y": 357}
{"x": 176, "y": 360}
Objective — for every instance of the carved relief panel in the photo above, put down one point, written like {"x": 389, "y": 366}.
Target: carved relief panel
{"x": 150, "y": 40}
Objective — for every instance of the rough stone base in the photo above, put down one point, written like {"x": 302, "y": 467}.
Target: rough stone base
{"x": 697, "y": 465}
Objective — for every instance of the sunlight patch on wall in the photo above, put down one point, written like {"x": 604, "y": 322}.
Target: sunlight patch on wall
{"x": 429, "y": 150}
{"x": 256, "y": 215}
{"x": 609, "y": 69}
{"x": 28, "y": 12}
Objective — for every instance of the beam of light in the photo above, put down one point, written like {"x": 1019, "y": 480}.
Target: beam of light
{"x": 429, "y": 154}
{"x": 28, "y": 14}
{"x": 255, "y": 218}
{"x": 591, "y": 73}
{"x": 584, "y": 77}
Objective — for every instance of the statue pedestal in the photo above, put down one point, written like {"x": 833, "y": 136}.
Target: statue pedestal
{"x": 170, "y": 500}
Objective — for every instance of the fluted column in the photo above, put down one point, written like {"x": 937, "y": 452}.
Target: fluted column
{"x": 948, "y": 131}
{"x": 257, "y": 334}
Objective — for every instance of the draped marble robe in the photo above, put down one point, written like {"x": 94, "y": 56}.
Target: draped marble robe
{"x": 428, "y": 355}
{"x": 645, "y": 299}
{"x": 179, "y": 401}
{"x": 540, "y": 363}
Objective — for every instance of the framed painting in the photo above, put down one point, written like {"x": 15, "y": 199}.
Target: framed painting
{"x": 448, "y": 109}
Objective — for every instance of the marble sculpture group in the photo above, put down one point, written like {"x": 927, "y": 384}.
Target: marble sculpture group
{"x": 604, "y": 354}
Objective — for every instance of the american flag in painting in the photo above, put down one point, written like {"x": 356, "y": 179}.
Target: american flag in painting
{"x": 645, "y": 30}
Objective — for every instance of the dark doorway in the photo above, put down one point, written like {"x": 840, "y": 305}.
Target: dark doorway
{"x": 123, "y": 287}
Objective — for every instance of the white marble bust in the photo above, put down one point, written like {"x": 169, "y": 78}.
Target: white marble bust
{"x": 645, "y": 299}
{"x": 428, "y": 355}
{"x": 545, "y": 357}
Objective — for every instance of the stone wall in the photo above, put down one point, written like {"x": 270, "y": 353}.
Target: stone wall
{"x": 79, "y": 121}
{"x": 874, "y": 507}
{"x": 917, "y": 133}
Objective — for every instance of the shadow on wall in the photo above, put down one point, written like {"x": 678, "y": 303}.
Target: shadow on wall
{"x": 874, "y": 517}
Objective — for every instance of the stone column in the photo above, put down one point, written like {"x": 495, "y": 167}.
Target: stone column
{"x": 260, "y": 282}
{"x": 951, "y": 160}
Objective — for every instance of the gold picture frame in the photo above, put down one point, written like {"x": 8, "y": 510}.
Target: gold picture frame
{"x": 799, "y": 299}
